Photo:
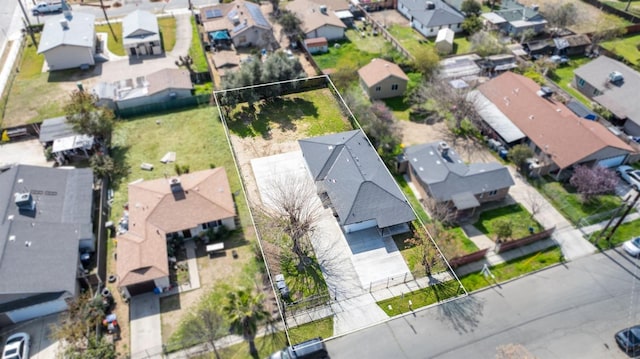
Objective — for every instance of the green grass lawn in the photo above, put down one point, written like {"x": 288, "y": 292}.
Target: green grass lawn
{"x": 114, "y": 45}
{"x": 400, "y": 106}
{"x": 348, "y": 54}
{"x": 320, "y": 328}
{"x": 312, "y": 113}
{"x": 420, "y": 298}
{"x": 622, "y": 4}
{"x": 519, "y": 217}
{"x": 303, "y": 284}
{"x": 461, "y": 45}
{"x": 196, "y": 51}
{"x": 569, "y": 203}
{"x": 409, "y": 38}
{"x": 625, "y": 232}
{"x": 625, "y": 47}
{"x": 413, "y": 200}
{"x": 167, "y": 27}
{"x": 563, "y": 76}
{"x": 513, "y": 269}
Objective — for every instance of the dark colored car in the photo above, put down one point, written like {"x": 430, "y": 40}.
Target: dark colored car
{"x": 629, "y": 340}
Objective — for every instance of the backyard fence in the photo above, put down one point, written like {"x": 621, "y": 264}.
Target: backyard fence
{"x": 612, "y": 10}
{"x": 176, "y": 104}
{"x": 385, "y": 34}
{"x": 12, "y": 74}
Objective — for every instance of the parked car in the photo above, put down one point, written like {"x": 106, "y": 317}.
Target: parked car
{"x": 629, "y": 340}
{"x": 629, "y": 175}
{"x": 17, "y": 346}
{"x": 560, "y": 60}
{"x": 632, "y": 246}
{"x": 46, "y": 8}
{"x": 310, "y": 349}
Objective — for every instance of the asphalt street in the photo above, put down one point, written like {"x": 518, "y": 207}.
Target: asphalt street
{"x": 568, "y": 311}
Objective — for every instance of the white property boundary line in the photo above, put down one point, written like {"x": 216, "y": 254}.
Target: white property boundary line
{"x": 227, "y": 133}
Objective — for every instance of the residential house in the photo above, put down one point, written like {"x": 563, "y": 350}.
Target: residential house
{"x": 140, "y": 34}
{"x": 444, "y": 41}
{"x": 429, "y": 17}
{"x": 514, "y": 18}
{"x": 158, "y": 87}
{"x": 382, "y": 79}
{"x": 536, "y": 48}
{"x": 162, "y": 209}
{"x": 572, "y": 44}
{"x": 349, "y": 173}
{"x": 439, "y": 173}
{"x": 614, "y": 86}
{"x": 240, "y": 22}
{"x": 68, "y": 41}
{"x": 316, "y": 45}
{"x": 45, "y": 226}
{"x": 519, "y": 111}
{"x": 317, "y": 20}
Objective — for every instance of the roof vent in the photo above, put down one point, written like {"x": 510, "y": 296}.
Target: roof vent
{"x": 12, "y": 238}
{"x": 25, "y": 201}
{"x": 323, "y": 9}
{"x": 64, "y": 23}
{"x": 545, "y": 92}
{"x": 616, "y": 77}
{"x": 175, "y": 184}
{"x": 443, "y": 148}
{"x": 235, "y": 20}
{"x": 430, "y": 5}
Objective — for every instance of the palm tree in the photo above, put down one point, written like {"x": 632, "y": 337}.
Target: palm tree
{"x": 245, "y": 312}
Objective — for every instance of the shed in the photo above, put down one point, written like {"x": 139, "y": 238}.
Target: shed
{"x": 141, "y": 35}
{"x": 444, "y": 41}
{"x": 316, "y": 45}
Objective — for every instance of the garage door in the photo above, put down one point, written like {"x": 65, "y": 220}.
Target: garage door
{"x": 612, "y": 162}
{"x": 38, "y": 310}
{"x": 360, "y": 226}
{"x": 141, "y": 288}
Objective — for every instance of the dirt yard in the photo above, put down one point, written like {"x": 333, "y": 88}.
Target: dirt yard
{"x": 590, "y": 17}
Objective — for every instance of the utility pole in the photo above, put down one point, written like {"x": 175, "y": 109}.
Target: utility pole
{"x": 629, "y": 207}
{"x": 626, "y": 9}
{"x": 28, "y": 24}
{"x": 104, "y": 11}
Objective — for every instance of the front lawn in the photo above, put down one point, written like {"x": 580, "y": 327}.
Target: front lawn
{"x": 516, "y": 214}
{"x": 311, "y": 113}
{"x": 306, "y": 283}
{"x": 421, "y": 298}
{"x": 513, "y": 269}
{"x": 626, "y": 47}
{"x": 625, "y": 232}
{"x": 570, "y": 204}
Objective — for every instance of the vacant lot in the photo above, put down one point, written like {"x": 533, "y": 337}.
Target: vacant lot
{"x": 589, "y": 17}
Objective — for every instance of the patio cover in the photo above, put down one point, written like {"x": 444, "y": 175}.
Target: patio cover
{"x": 72, "y": 142}
{"x": 465, "y": 200}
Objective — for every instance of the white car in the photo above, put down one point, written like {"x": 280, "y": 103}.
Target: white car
{"x": 629, "y": 175}
{"x": 632, "y": 246}
{"x": 17, "y": 346}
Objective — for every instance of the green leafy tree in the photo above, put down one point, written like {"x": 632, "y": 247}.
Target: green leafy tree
{"x": 245, "y": 311}
{"x": 104, "y": 165}
{"x": 291, "y": 24}
{"x": 471, "y": 7}
{"x": 486, "y": 43}
{"x": 86, "y": 117}
{"x": 519, "y": 154}
{"x": 426, "y": 61}
{"x": 503, "y": 229}
{"x": 472, "y": 24}
{"x": 96, "y": 348}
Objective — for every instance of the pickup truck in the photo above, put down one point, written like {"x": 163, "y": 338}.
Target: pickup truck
{"x": 46, "y": 8}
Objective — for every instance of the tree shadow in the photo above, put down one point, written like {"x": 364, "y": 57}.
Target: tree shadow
{"x": 119, "y": 155}
{"x": 276, "y": 111}
{"x": 463, "y": 314}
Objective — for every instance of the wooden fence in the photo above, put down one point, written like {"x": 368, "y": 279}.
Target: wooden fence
{"x": 506, "y": 246}
{"x": 469, "y": 258}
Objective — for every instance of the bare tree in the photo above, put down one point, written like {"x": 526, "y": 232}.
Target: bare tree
{"x": 290, "y": 204}
{"x": 206, "y": 325}
{"x": 535, "y": 202}
{"x": 442, "y": 212}
{"x": 430, "y": 256}
{"x": 560, "y": 15}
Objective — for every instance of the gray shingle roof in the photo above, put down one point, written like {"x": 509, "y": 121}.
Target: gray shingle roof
{"x": 622, "y": 98}
{"x": 357, "y": 182}
{"x": 140, "y": 25}
{"x": 54, "y": 128}
{"x": 39, "y": 249}
{"x": 450, "y": 176}
{"x": 80, "y": 31}
{"x": 441, "y": 15}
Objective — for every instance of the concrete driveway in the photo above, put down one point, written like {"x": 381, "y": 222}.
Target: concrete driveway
{"x": 145, "y": 326}
{"x": 24, "y": 152}
{"x": 42, "y": 346}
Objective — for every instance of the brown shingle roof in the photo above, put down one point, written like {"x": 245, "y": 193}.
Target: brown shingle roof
{"x": 168, "y": 79}
{"x": 549, "y": 124}
{"x": 239, "y": 9}
{"x": 378, "y": 70}
{"x": 154, "y": 211}
{"x": 311, "y": 17}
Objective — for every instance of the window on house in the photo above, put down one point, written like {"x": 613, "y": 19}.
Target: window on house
{"x": 378, "y": 88}
{"x": 213, "y": 224}
{"x": 394, "y": 87}
{"x": 242, "y": 39}
{"x": 493, "y": 193}
{"x": 596, "y": 92}
{"x": 431, "y": 30}
{"x": 580, "y": 82}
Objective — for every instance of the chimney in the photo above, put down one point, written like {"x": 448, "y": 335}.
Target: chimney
{"x": 175, "y": 184}
{"x": 430, "y": 5}
{"x": 64, "y": 23}
{"x": 443, "y": 147}
{"x": 25, "y": 201}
